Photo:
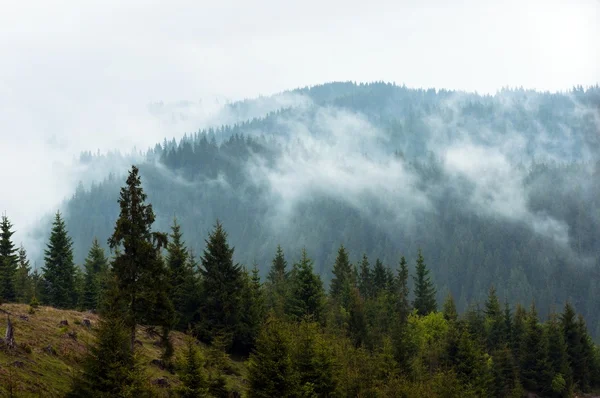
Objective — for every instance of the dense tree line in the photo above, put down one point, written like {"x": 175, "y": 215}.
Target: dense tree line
{"x": 369, "y": 335}
{"x": 205, "y": 176}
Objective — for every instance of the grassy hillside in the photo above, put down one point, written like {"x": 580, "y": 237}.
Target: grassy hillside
{"x": 49, "y": 353}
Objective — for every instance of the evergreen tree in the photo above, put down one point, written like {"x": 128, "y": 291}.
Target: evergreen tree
{"x": 278, "y": 271}
{"x": 557, "y": 355}
{"x": 270, "y": 371}
{"x": 96, "y": 269}
{"x": 192, "y": 374}
{"x": 59, "y": 268}
{"x": 403, "y": 305}
{"x": 535, "y": 368}
{"x": 110, "y": 368}
{"x": 365, "y": 281}
{"x": 307, "y": 298}
{"x": 425, "y": 292}
{"x": 313, "y": 361}
{"x": 277, "y": 285}
{"x": 449, "y": 309}
{"x": 252, "y": 315}
{"x": 222, "y": 288}
{"x": 182, "y": 286}
{"x": 357, "y": 322}
{"x": 380, "y": 279}
{"x": 504, "y": 373}
{"x": 342, "y": 278}
{"x": 23, "y": 278}
{"x": 8, "y": 261}
{"x": 494, "y": 321}
{"x": 574, "y": 344}
{"x": 141, "y": 276}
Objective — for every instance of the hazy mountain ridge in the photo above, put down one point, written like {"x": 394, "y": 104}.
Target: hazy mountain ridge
{"x": 496, "y": 189}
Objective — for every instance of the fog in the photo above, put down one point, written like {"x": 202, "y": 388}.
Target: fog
{"x": 113, "y": 76}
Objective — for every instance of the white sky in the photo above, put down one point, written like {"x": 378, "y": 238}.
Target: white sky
{"x": 78, "y": 75}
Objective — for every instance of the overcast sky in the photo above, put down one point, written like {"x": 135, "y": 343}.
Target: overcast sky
{"x": 79, "y": 75}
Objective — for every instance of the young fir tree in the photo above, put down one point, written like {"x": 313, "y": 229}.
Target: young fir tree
{"x": 380, "y": 279}
{"x": 313, "y": 362}
{"x": 23, "y": 279}
{"x": 424, "y": 301}
{"x": 557, "y": 357}
{"x": 8, "y": 261}
{"x": 59, "y": 269}
{"x": 494, "y": 321}
{"x": 449, "y": 309}
{"x": 222, "y": 288}
{"x": 307, "y": 296}
{"x": 278, "y": 271}
{"x": 96, "y": 271}
{"x": 402, "y": 303}
{"x": 110, "y": 368}
{"x": 140, "y": 273}
{"x": 357, "y": 320}
{"x": 365, "y": 278}
{"x": 192, "y": 374}
{"x": 270, "y": 370}
{"x": 253, "y": 311}
{"x": 535, "y": 369}
{"x": 182, "y": 286}
{"x": 342, "y": 278}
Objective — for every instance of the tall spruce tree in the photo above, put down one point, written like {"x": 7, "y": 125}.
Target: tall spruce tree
{"x": 535, "y": 369}
{"x": 402, "y": 303}
{"x": 270, "y": 370}
{"x": 365, "y": 281}
{"x": 307, "y": 297}
{"x": 424, "y": 301}
{"x": 182, "y": 287}
{"x": 96, "y": 271}
{"x": 222, "y": 288}
{"x": 59, "y": 285}
{"x": 278, "y": 271}
{"x": 140, "y": 273}
{"x": 23, "y": 279}
{"x": 8, "y": 261}
{"x": 557, "y": 355}
{"x": 494, "y": 321}
{"x": 342, "y": 278}
{"x": 380, "y": 278}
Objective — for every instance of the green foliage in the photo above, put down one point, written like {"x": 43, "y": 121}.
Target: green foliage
{"x": 270, "y": 370}
{"x": 23, "y": 279}
{"x": 365, "y": 281}
{"x": 342, "y": 278}
{"x": 96, "y": 270}
{"x": 535, "y": 368}
{"x": 277, "y": 285}
{"x": 192, "y": 374}
{"x": 424, "y": 301}
{"x": 222, "y": 289}
{"x": 308, "y": 296}
{"x": 9, "y": 261}
{"x": 449, "y": 309}
{"x": 59, "y": 285}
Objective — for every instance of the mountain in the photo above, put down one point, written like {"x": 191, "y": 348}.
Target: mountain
{"x": 497, "y": 189}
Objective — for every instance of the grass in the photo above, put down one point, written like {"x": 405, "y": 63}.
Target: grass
{"x": 49, "y": 354}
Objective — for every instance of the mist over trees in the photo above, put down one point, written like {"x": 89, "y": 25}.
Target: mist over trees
{"x": 495, "y": 189}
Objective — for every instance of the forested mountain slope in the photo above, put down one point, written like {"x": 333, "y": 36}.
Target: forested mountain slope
{"x": 501, "y": 189}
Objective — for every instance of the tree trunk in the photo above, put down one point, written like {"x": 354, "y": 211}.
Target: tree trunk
{"x": 9, "y": 338}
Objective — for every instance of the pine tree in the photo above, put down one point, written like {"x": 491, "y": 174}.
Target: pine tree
{"x": 557, "y": 354}
{"x": 23, "y": 279}
{"x": 504, "y": 373}
{"x": 110, "y": 368}
{"x": 140, "y": 273}
{"x": 222, "y": 288}
{"x": 379, "y": 277}
{"x": 342, "y": 278}
{"x": 59, "y": 268}
{"x": 494, "y": 321}
{"x": 96, "y": 270}
{"x": 278, "y": 271}
{"x": 365, "y": 281}
{"x": 182, "y": 286}
{"x": 402, "y": 303}
{"x": 314, "y": 362}
{"x": 425, "y": 292}
{"x": 8, "y": 261}
{"x": 277, "y": 285}
{"x": 192, "y": 374}
{"x": 573, "y": 340}
{"x": 357, "y": 322}
{"x": 449, "y": 309}
{"x": 535, "y": 369}
{"x": 252, "y": 314}
{"x": 270, "y": 370}
{"x": 307, "y": 296}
